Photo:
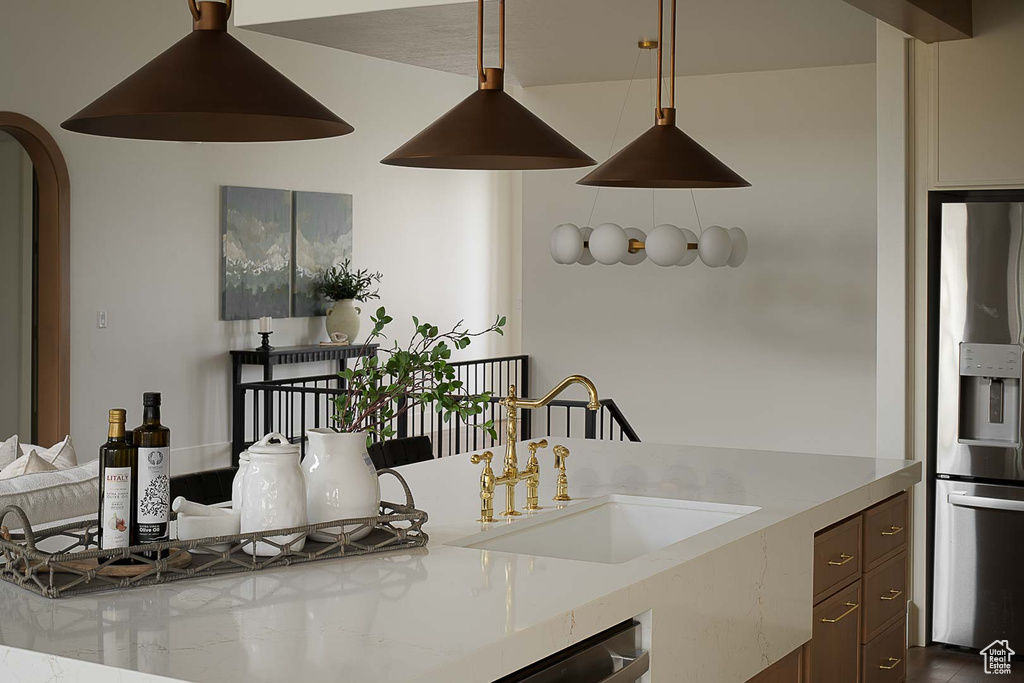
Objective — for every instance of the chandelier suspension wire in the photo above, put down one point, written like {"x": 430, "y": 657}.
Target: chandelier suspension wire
{"x": 696, "y": 213}
{"x": 622, "y": 111}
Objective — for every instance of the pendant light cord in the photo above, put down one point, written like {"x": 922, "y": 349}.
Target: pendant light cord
{"x": 614, "y": 134}
{"x": 661, "y": 35}
{"x": 481, "y": 74}
{"x": 672, "y": 65}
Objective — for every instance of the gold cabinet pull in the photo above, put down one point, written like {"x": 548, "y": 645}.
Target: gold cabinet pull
{"x": 843, "y": 559}
{"x": 893, "y": 594}
{"x": 893, "y": 530}
{"x": 892, "y": 664}
{"x": 851, "y": 606}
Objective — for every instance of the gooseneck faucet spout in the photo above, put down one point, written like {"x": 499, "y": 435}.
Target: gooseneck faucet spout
{"x": 511, "y": 475}
{"x": 594, "y": 404}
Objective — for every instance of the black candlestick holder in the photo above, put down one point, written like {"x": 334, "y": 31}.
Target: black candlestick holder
{"x": 265, "y": 346}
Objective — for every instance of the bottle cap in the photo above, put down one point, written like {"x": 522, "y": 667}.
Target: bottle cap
{"x": 118, "y": 415}
{"x": 151, "y": 399}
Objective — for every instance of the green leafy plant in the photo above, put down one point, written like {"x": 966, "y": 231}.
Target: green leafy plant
{"x": 382, "y": 387}
{"x": 341, "y": 282}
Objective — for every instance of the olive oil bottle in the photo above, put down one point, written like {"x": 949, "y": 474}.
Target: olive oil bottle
{"x": 118, "y": 472}
{"x": 153, "y": 485}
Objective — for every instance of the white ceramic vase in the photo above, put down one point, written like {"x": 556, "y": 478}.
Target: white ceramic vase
{"x": 343, "y": 317}
{"x": 273, "y": 494}
{"x": 341, "y": 481}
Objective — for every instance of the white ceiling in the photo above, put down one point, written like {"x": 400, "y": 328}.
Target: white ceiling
{"x": 577, "y": 41}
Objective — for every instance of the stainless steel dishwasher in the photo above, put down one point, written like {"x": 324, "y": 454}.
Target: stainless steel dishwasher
{"x": 612, "y": 656}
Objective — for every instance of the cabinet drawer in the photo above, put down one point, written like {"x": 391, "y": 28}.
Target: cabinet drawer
{"x": 837, "y": 557}
{"x": 885, "y": 530}
{"x": 834, "y": 651}
{"x": 885, "y": 657}
{"x": 885, "y": 595}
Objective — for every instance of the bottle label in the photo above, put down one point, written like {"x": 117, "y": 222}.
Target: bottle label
{"x": 154, "y": 504}
{"x": 117, "y": 507}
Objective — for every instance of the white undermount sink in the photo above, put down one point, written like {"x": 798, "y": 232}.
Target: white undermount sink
{"x": 609, "y": 529}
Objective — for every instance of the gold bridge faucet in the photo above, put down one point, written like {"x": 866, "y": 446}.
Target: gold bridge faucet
{"x": 511, "y": 474}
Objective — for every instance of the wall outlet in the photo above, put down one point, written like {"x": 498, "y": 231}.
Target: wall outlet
{"x": 101, "y": 320}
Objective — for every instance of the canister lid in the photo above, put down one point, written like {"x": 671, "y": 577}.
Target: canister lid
{"x": 273, "y": 444}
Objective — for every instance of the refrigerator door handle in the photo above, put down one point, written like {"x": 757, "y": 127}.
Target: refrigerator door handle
{"x": 961, "y": 499}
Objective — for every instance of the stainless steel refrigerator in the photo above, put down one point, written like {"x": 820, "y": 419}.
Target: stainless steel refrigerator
{"x": 978, "y": 567}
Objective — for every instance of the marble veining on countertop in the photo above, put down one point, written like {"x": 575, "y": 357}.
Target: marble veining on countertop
{"x": 722, "y": 604}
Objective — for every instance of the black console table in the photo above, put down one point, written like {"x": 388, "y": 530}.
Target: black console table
{"x": 288, "y": 355}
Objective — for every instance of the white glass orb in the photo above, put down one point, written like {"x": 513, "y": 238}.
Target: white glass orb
{"x": 691, "y": 254}
{"x": 666, "y": 245}
{"x": 566, "y": 243}
{"x": 608, "y": 243}
{"x": 586, "y": 258}
{"x": 714, "y": 246}
{"x": 739, "y": 247}
{"x": 641, "y": 255}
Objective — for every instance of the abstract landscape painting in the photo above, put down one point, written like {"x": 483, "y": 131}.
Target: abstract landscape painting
{"x": 256, "y": 266}
{"x": 323, "y": 238}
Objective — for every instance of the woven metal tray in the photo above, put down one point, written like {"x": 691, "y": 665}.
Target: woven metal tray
{"x": 80, "y": 567}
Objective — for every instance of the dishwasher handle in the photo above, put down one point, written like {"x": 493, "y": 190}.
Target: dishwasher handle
{"x": 961, "y": 499}
{"x": 634, "y": 668}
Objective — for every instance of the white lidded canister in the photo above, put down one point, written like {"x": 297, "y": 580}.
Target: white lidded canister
{"x": 236, "y": 483}
{"x": 273, "y": 494}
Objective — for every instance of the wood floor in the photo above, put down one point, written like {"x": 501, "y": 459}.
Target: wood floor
{"x": 941, "y": 665}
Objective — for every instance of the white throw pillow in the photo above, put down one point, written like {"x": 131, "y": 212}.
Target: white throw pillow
{"x": 50, "y": 496}
{"x": 29, "y": 464}
{"x": 9, "y": 451}
{"x": 62, "y": 455}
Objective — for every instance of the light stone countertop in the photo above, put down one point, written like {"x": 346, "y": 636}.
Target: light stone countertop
{"x": 719, "y": 606}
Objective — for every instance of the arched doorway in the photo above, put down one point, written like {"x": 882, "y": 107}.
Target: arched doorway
{"x": 52, "y": 285}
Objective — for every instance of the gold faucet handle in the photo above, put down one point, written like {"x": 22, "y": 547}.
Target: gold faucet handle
{"x": 561, "y": 453}
{"x": 486, "y": 456}
{"x": 534, "y": 445}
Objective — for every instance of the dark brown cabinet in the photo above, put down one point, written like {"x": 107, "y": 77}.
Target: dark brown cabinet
{"x": 834, "y": 650}
{"x": 860, "y": 598}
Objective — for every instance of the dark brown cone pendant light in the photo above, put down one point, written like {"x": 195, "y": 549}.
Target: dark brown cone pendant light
{"x": 664, "y": 156}
{"x": 208, "y": 87}
{"x": 489, "y": 130}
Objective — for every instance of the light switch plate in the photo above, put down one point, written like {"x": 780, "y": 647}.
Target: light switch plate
{"x": 101, "y": 320}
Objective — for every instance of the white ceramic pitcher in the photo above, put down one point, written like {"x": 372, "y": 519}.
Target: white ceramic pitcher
{"x": 341, "y": 481}
{"x": 273, "y": 493}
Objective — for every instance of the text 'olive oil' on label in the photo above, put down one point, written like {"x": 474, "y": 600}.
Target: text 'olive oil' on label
{"x": 117, "y": 507}
{"x": 154, "y": 494}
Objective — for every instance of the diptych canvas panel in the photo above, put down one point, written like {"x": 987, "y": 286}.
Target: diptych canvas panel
{"x": 274, "y": 243}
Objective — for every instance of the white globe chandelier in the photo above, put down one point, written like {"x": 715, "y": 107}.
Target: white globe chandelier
{"x": 666, "y": 245}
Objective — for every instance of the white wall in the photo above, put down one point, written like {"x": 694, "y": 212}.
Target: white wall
{"x": 145, "y": 218}
{"x": 779, "y": 354}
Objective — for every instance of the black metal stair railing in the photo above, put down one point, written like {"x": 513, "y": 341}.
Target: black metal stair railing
{"x": 292, "y": 406}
